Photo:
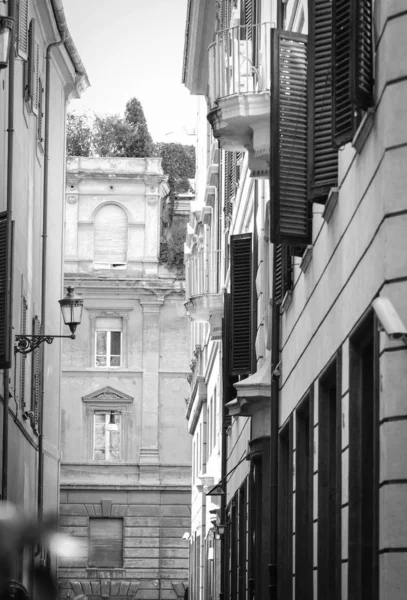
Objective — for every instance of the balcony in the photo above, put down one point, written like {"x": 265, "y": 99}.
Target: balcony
{"x": 239, "y": 92}
{"x": 203, "y": 290}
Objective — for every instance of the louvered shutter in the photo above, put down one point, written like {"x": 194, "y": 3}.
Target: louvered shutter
{"x": 32, "y": 83}
{"x": 23, "y": 357}
{"x": 241, "y": 303}
{"x": 105, "y": 542}
{"x": 36, "y": 378}
{"x": 40, "y": 117}
{"x": 323, "y": 157}
{"x": 362, "y": 52}
{"x": 111, "y": 234}
{"x": 22, "y": 39}
{"x": 291, "y": 212}
{"x": 4, "y": 304}
{"x": 352, "y": 66}
{"x": 282, "y": 265}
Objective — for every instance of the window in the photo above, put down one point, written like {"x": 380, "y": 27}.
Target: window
{"x": 304, "y": 455}
{"x": 108, "y": 346}
{"x": 110, "y": 237}
{"x": 285, "y": 511}
{"x": 363, "y": 463}
{"x": 105, "y": 542}
{"x": 106, "y": 442}
{"x": 329, "y": 484}
{"x": 40, "y": 116}
{"x": 32, "y": 70}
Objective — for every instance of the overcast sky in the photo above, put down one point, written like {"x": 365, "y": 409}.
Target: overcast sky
{"x": 134, "y": 48}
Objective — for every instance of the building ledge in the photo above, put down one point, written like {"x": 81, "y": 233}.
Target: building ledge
{"x": 252, "y": 393}
{"x": 207, "y": 308}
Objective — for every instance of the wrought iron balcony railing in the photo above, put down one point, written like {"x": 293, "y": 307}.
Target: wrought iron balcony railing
{"x": 239, "y": 61}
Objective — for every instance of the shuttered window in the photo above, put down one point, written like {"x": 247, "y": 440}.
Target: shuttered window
{"x": 22, "y": 31}
{"x": 110, "y": 235}
{"x": 291, "y": 212}
{"x": 282, "y": 265}
{"x": 36, "y": 378}
{"x": 3, "y": 287}
{"x": 23, "y": 357}
{"x": 32, "y": 70}
{"x": 352, "y": 65}
{"x": 105, "y": 542}
{"x": 241, "y": 303}
{"x": 323, "y": 157}
{"x": 40, "y": 117}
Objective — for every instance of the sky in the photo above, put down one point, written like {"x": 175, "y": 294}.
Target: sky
{"x": 134, "y": 48}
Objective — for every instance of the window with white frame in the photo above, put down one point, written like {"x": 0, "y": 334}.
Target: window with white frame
{"x": 107, "y": 434}
{"x": 108, "y": 342}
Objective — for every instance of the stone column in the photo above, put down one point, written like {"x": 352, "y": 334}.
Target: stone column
{"x": 149, "y": 453}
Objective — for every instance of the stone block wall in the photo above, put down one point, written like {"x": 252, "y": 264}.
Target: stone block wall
{"x": 155, "y": 557}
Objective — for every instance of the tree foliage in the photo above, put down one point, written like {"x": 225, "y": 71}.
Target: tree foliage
{"x": 78, "y": 136}
{"x": 110, "y": 135}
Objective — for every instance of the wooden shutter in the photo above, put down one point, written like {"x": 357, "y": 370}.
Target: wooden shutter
{"x": 32, "y": 83}
{"x": 22, "y": 35}
{"x": 23, "y": 357}
{"x": 40, "y": 117}
{"x": 291, "y": 212}
{"x": 241, "y": 303}
{"x": 36, "y": 378}
{"x": 110, "y": 235}
{"x": 105, "y": 542}
{"x": 282, "y": 265}
{"x": 362, "y": 53}
{"x": 323, "y": 157}
{"x": 352, "y": 66}
{"x": 4, "y": 300}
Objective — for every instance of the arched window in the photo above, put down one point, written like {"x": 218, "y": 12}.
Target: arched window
{"x": 110, "y": 230}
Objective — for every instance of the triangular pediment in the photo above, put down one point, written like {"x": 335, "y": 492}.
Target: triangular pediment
{"x": 107, "y": 394}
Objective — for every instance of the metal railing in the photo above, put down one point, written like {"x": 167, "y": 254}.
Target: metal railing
{"x": 239, "y": 61}
{"x": 202, "y": 273}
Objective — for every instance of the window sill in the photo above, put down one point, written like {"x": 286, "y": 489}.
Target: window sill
{"x": 286, "y": 303}
{"x": 306, "y": 258}
{"x": 330, "y": 204}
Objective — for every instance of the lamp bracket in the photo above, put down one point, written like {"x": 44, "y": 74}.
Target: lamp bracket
{"x": 24, "y": 344}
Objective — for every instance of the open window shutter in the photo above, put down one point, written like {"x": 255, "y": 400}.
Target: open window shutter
{"x": 23, "y": 357}
{"x": 283, "y": 271}
{"x": 323, "y": 157}
{"x": 352, "y": 65}
{"x": 4, "y": 324}
{"x": 40, "y": 117}
{"x": 32, "y": 68}
{"x": 291, "y": 212}
{"x": 106, "y": 543}
{"x": 22, "y": 38}
{"x": 36, "y": 83}
{"x": 241, "y": 303}
{"x": 36, "y": 377}
{"x": 362, "y": 53}
{"x": 111, "y": 235}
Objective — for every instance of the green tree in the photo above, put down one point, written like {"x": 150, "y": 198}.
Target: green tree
{"x": 141, "y": 144}
{"x": 79, "y": 136}
{"x": 112, "y": 136}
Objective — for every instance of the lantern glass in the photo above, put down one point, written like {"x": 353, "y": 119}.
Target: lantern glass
{"x": 6, "y": 27}
{"x": 71, "y": 309}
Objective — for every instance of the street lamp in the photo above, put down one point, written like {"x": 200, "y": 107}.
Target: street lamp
{"x": 112, "y": 425}
{"x": 71, "y": 309}
{"x": 6, "y": 26}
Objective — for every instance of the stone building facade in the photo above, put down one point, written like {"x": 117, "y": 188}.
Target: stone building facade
{"x": 300, "y": 235}
{"x": 125, "y": 471}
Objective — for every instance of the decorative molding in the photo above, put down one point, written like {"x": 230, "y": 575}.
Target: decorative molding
{"x": 72, "y": 199}
{"x": 152, "y": 200}
{"x": 108, "y": 395}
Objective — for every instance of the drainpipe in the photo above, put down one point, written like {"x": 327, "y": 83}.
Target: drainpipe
{"x": 223, "y": 557}
{"x": 10, "y": 165}
{"x": 43, "y": 274}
